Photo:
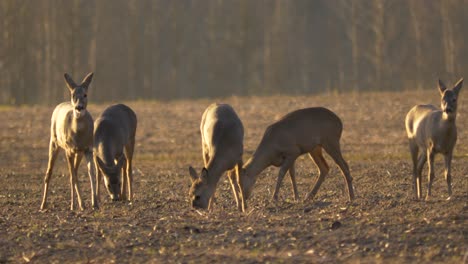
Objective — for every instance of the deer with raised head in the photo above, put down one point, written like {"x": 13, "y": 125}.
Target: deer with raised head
{"x": 114, "y": 143}
{"x": 72, "y": 130}
{"x": 222, "y": 136}
{"x": 430, "y": 131}
{"x": 308, "y": 130}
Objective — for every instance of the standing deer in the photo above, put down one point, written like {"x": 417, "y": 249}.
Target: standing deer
{"x": 114, "y": 143}
{"x": 432, "y": 131}
{"x": 72, "y": 131}
{"x": 302, "y": 131}
{"x": 222, "y": 135}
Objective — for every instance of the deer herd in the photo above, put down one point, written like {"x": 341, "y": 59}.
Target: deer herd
{"x": 108, "y": 144}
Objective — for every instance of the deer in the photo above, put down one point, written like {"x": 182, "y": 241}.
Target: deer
{"x": 431, "y": 131}
{"x": 309, "y": 130}
{"x": 72, "y": 130}
{"x": 114, "y": 144}
{"x": 222, "y": 135}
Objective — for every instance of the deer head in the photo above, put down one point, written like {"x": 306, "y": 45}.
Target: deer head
{"x": 201, "y": 191}
{"x": 79, "y": 94}
{"x": 112, "y": 177}
{"x": 448, "y": 101}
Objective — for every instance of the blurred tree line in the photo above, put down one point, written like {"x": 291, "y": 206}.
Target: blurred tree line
{"x": 165, "y": 49}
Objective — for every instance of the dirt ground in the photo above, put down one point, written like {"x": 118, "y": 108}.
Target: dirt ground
{"x": 384, "y": 224}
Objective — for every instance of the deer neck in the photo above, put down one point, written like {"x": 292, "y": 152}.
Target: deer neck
{"x": 215, "y": 170}
{"x": 449, "y": 118}
{"x": 105, "y": 152}
{"x": 254, "y": 166}
{"x": 447, "y": 124}
{"x": 78, "y": 124}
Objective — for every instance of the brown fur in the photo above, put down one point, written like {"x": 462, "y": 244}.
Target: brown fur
{"x": 309, "y": 130}
{"x": 114, "y": 144}
{"x": 432, "y": 130}
{"x": 72, "y": 131}
{"x": 222, "y": 136}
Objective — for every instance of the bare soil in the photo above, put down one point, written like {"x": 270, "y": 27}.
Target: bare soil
{"x": 383, "y": 225}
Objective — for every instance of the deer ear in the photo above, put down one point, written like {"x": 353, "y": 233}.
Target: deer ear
{"x": 87, "y": 80}
{"x": 204, "y": 174}
{"x": 69, "y": 81}
{"x": 193, "y": 174}
{"x": 458, "y": 86}
{"x": 442, "y": 87}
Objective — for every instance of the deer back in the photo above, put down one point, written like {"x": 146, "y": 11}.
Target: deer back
{"x": 303, "y": 128}
{"x": 222, "y": 133}
{"x": 114, "y": 128}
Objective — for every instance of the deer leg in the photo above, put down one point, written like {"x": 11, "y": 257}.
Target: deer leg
{"x": 71, "y": 162}
{"x": 123, "y": 193}
{"x": 292, "y": 175}
{"x": 92, "y": 177}
{"x": 129, "y": 180}
{"x": 53, "y": 151}
{"x": 77, "y": 187}
{"x": 98, "y": 180}
{"x": 73, "y": 181}
{"x": 430, "y": 162}
{"x": 240, "y": 194}
{"x": 241, "y": 203}
{"x": 334, "y": 151}
{"x": 231, "y": 175}
{"x": 421, "y": 161}
{"x": 448, "y": 173}
{"x": 319, "y": 160}
{"x": 77, "y": 161}
{"x": 414, "y": 157}
{"x": 285, "y": 166}
{"x": 129, "y": 155}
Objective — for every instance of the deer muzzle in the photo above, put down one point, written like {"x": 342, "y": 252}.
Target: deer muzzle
{"x": 448, "y": 110}
{"x": 79, "y": 111}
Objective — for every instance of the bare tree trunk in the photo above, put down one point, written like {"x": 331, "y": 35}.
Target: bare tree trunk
{"x": 354, "y": 44}
{"x": 379, "y": 39}
{"x": 272, "y": 55}
{"x": 447, "y": 37}
{"x": 417, "y": 35}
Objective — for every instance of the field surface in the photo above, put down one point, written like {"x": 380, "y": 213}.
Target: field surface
{"x": 384, "y": 224}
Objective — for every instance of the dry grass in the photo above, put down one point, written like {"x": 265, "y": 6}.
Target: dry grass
{"x": 384, "y": 223}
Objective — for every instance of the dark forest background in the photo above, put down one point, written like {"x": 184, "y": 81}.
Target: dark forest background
{"x": 168, "y": 49}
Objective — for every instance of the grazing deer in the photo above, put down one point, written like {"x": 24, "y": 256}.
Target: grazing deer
{"x": 114, "y": 143}
{"x": 303, "y": 131}
{"x": 432, "y": 130}
{"x": 72, "y": 130}
{"x": 222, "y": 135}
